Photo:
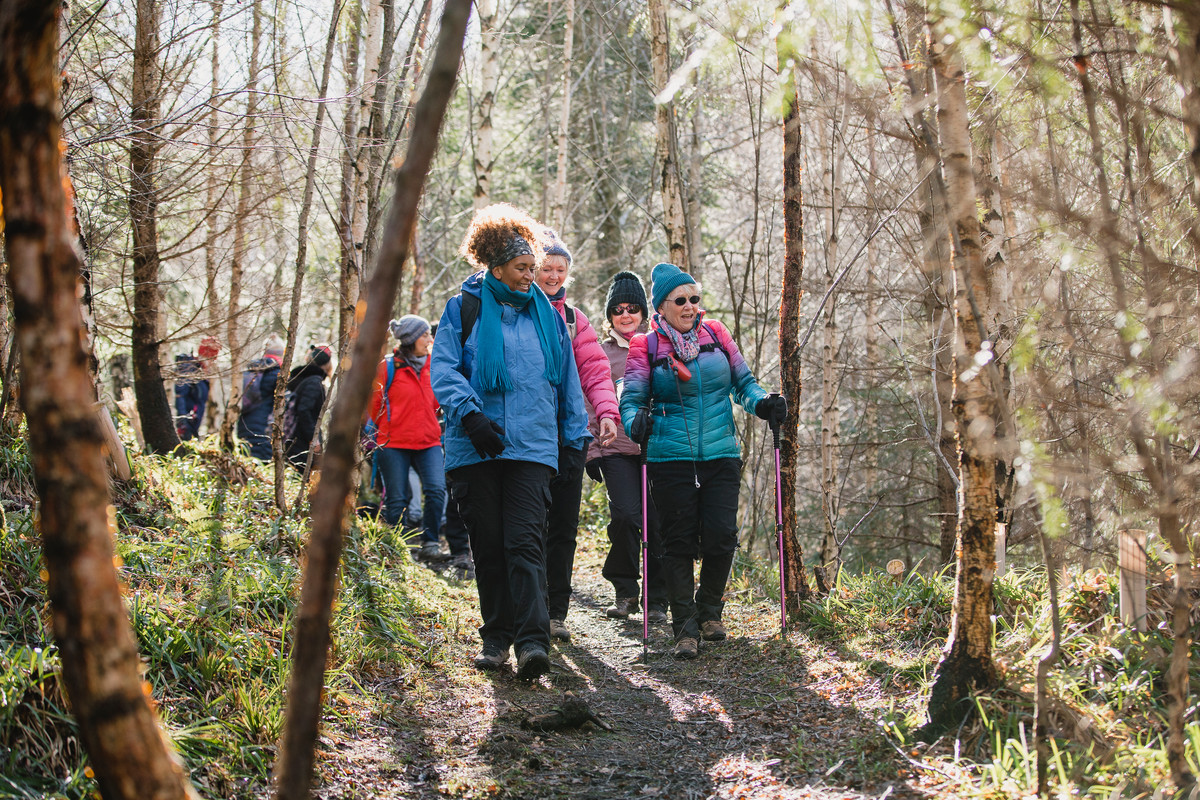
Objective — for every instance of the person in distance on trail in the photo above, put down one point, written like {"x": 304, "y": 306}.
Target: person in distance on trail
{"x": 258, "y": 398}
{"x": 302, "y": 412}
{"x": 408, "y": 436}
{"x": 566, "y": 489}
{"x": 509, "y": 407}
{"x": 618, "y": 465}
{"x": 679, "y": 379}
{"x": 191, "y": 395}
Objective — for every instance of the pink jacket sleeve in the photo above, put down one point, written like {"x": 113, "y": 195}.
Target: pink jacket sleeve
{"x": 595, "y": 374}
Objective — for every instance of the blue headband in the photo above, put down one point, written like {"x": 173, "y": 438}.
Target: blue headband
{"x": 516, "y": 246}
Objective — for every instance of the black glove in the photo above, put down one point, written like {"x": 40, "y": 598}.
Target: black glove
{"x": 593, "y": 470}
{"x": 485, "y": 435}
{"x": 772, "y": 408}
{"x": 639, "y": 431}
{"x": 570, "y": 463}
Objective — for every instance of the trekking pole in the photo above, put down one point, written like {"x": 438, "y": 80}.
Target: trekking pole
{"x": 775, "y": 434}
{"x": 645, "y": 561}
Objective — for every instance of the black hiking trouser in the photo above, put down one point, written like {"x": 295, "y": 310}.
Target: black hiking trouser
{"x": 623, "y": 479}
{"x": 698, "y": 522}
{"x": 504, "y": 504}
{"x": 456, "y": 527}
{"x": 562, "y": 528}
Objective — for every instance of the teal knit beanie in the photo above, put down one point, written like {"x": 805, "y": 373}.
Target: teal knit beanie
{"x": 663, "y": 280}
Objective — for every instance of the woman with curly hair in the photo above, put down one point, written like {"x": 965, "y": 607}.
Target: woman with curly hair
{"x": 509, "y": 404}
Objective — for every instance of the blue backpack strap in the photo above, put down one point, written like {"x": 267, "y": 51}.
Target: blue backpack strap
{"x": 391, "y": 373}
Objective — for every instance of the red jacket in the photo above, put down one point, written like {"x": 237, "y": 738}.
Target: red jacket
{"x": 408, "y": 419}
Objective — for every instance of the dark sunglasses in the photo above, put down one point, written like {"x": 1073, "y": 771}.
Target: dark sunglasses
{"x": 632, "y": 308}
{"x": 694, "y": 300}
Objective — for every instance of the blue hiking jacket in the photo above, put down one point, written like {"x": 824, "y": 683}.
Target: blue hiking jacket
{"x": 537, "y": 416}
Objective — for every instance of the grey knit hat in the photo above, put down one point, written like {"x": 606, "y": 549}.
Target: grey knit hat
{"x": 409, "y": 328}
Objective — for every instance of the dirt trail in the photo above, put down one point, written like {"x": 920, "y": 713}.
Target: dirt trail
{"x": 752, "y": 718}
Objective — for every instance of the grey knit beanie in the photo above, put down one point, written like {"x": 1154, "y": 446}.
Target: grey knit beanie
{"x": 408, "y": 329}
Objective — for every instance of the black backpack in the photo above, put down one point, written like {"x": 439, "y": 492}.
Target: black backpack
{"x": 469, "y": 312}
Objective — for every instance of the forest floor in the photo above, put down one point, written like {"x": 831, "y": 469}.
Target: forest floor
{"x": 754, "y": 717}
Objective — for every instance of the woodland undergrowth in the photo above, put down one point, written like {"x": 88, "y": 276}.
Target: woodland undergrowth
{"x": 212, "y": 575}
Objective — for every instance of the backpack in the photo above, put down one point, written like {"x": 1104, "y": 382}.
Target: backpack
{"x": 289, "y": 415}
{"x": 370, "y": 432}
{"x": 469, "y": 312}
{"x": 251, "y": 388}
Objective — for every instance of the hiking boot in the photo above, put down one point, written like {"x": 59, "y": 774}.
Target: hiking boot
{"x": 657, "y": 615}
{"x": 687, "y": 648}
{"x": 463, "y": 566}
{"x": 491, "y": 657}
{"x": 430, "y": 552}
{"x": 713, "y": 631}
{"x": 532, "y": 662}
{"x": 559, "y": 630}
{"x": 622, "y": 608}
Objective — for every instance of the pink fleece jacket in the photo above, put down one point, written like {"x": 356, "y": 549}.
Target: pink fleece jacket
{"x": 594, "y": 372}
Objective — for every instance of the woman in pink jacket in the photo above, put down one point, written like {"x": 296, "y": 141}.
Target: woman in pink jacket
{"x": 566, "y": 489}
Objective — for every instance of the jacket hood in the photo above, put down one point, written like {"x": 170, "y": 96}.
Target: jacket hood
{"x": 306, "y": 371}
{"x": 474, "y": 283}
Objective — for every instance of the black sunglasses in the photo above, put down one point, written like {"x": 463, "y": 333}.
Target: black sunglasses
{"x": 632, "y": 308}
{"x": 694, "y": 300}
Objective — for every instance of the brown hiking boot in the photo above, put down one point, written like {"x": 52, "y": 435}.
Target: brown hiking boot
{"x": 622, "y": 608}
{"x": 491, "y": 657}
{"x": 713, "y": 631}
{"x": 559, "y": 630}
{"x": 687, "y": 648}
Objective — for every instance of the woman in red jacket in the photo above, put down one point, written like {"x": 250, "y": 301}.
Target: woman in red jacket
{"x": 409, "y": 437}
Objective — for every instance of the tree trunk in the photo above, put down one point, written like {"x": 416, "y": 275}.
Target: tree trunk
{"x": 293, "y": 772}
{"x": 831, "y": 157}
{"x": 375, "y": 133}
{"x": 935, "y": 261}
{"x": 277, "y": 443}
{"x": 237, "y": 263}
{"x": 158, "y": 426}
{"x": 796, "y": 582}
{"x": 489, "y": 78}
{"x": 966, "y": 665}
{"x": 214, "y": 410}
{"x": 350, "y": 271}
{"x": 874, "y": 356}
{"x": 564, "y": 121}
{"x": 1041, "y": 725}
{"x": 101, "y": 669}
{"x": 667, "y": 147}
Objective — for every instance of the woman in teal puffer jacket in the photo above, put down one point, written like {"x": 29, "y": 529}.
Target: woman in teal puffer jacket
{"x": 680, "y": 381}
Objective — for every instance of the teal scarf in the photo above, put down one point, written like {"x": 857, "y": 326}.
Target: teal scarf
{"x": 493, "y": 372}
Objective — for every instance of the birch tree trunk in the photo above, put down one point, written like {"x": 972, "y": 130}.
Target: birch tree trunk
{"x": 376, "y": 143}
{"x": 350, "y": 261}
{"x": 158, "y": 425}
{"x": 101, "y": 668}
{"x": 795, "y": 579}
{"x": 935, "y": 264}
{"x": 293, "y": 770}
{"x": 667, "y": 149}
{"x": 831, "y": 156}
{"x": 214, "y": 409}
{"x": 966, "y": 664}
{"x": 559, "y": 212}
{"x": 489, "y": 77}
{"x": 237, "y": 263}
{"x": 310, "y": 176}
